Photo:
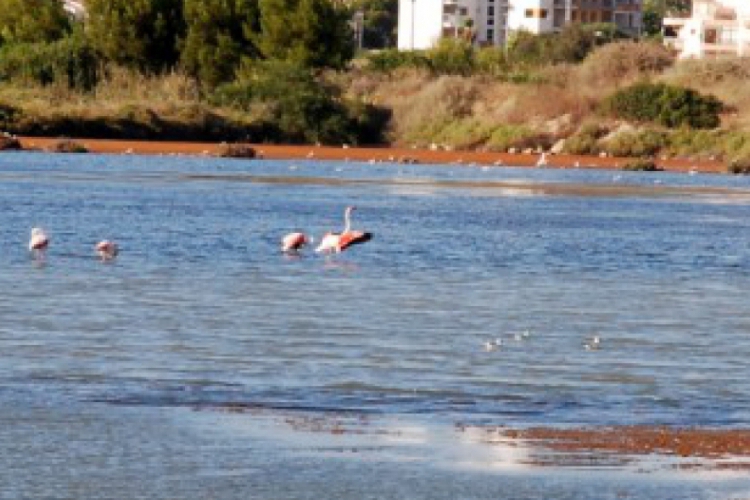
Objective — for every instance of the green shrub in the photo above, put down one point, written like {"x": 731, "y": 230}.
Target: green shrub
{"x": 739, "y": 166}
{"x": 667, "y": 105}
{"x": 369, "y": 122}
{"x": 9, "y": 142}
{"x": 491, "y": 61}
{"x": 585, "y": 141}
{"x": 463, "y": 133}
{"x": 642, "y": 165}
{"x": 388, "y": 60}
{"x": 236, "y": 150}
{"x": 70, "y": 61}
{"x": 68, "y": 146}
{"x": 452, "y": 56}
{"x": 294, "y": 106}
{"x": 26, "y": 21}
{"x": 572, "y": 45}
{"x": 290, "y": 100}
{"x": 505, "y": 137}
{"x": 8, "y": 116}
{"x": 642, "y": 143}
{"x": 688, "y": 141}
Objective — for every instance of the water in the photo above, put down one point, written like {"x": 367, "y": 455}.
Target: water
{"x": 108, "y": 362}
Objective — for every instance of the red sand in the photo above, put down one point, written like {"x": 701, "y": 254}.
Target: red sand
{"x": 272, "y": 151}
{"x": 707, "y": 443}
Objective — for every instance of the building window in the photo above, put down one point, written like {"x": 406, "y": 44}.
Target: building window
{"x": 490, "y": 22}
{"x": 491, "y": 10}
{"x": 536, "y": 13}
{"x": 728, "y": 35}
{"x": 490, "y": 35}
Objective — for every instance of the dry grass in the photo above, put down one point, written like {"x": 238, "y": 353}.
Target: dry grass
{"x": 125, "y": 104}
{"x": 623, "y": 63}
{"x": 480, "y": 111}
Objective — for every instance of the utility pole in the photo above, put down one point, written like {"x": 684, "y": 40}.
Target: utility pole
{"x": 359, "y": 28}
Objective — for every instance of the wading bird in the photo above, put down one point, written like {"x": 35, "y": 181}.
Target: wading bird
{"x": 107, "y": 249}
{"x": 338, "y": 242}
{"x": 39, "y": 241}
{"x": 293, "y": 242}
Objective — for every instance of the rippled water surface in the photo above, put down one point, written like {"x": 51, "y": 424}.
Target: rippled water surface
{"x": 102, "y": 364}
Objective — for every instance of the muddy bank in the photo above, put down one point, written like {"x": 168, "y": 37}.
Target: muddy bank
{"x": 379, "y": 154}
{"x": 689, "y": 442}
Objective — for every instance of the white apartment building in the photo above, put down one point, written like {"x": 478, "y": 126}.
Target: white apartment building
{"x": 714, "y": 28}
{"x": 423, "y": 22}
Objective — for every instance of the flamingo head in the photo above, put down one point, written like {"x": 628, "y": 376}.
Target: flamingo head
{"x": 37, "y": 231}
{"x": 350, "y": 209}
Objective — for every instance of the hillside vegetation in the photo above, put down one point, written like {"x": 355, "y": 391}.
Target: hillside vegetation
{"x": 286, "y": 71}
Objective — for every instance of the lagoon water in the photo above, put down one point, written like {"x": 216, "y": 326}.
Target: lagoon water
{"x": 124, "y": 379}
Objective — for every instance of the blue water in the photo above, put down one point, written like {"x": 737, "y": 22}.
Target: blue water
{"x": 202, "y": 311}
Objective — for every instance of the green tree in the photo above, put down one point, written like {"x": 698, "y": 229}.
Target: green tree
{"x": 571, "y": 45}
{"x": 654, "y": 11}
{"x": 313, "y": 33}
{"x": 295, "y": 106}
{"x": 26, "y": 21}
{"x": 139, "y": 33}
{"x": 219, "y": 34}
{"x": 69, "y": 61}
{"x": 380, "y": 22}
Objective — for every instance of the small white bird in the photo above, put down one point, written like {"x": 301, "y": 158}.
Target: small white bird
{"x": 107, "y": 249}
{"x": 493, "y": 345}
{"x": 521, "y": 336}
{"x": 594, "y": 344}
{"x": 542, "y": 161}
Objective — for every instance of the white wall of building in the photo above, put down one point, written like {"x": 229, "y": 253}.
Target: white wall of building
{"x": 692, "y": 39}
{"x": 710, "y": 31}
{"x": 420, "y": 23}
{"x": 534, "y": 16}
{"x": 423, "y": 22}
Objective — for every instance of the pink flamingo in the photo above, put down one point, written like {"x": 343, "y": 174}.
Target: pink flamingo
{"x": 293, "y": 242}
{"x": 107, "y": 249}
{"x": 39, "y": 241}
{"x": 338, "y": 242}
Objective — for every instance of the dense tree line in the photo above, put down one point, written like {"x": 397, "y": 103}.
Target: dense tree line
{"x": 207, "y": 38}
{"x": 259, "y": 61}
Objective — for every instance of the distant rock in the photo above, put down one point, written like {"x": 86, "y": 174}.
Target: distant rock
{"x": 624, "y": 128}
{"x": 9, "y": 142}
{"x": 67, "y": 146}
{"x": 558, "y": 147}
{"x": 562, "y": 125}
{"x": 236, "y": 150}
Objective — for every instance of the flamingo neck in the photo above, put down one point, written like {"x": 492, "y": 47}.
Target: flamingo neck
{"x": 347, "y": 221}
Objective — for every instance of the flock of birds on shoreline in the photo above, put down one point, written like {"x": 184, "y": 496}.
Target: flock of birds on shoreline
{"x": 292, "y": 243}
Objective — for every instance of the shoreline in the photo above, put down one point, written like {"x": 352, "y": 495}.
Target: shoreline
{"x": 367, "y": 154}
{"x": 546, "y": 446}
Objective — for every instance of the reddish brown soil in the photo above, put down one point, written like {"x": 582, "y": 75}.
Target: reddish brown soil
{"x": 368, "y": 154}
{"x": 703, "y": 443}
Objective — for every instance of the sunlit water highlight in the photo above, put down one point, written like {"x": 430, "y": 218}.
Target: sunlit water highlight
{"x": 201, "y": 309}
